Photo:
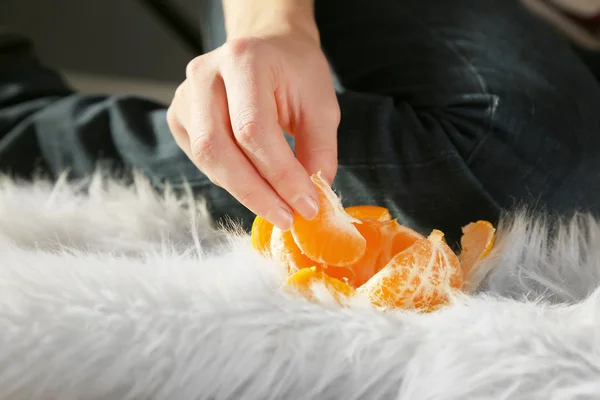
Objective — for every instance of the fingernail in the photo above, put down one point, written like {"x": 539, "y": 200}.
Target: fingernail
{"x": 283, "y": 218}
{"x": 306, "y": 206}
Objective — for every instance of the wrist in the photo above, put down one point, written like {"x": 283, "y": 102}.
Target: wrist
{"x": 258, "y": 18}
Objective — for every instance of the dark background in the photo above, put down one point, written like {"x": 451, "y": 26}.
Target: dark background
{"x": 116, "y": 45}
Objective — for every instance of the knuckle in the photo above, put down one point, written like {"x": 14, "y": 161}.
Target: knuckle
{"x": 239, "y": 47}
{"x": 281, "y": 175}
{"x": 242, "y": 54}
{"x": 179, "y": 92}
{"x": 172, "y": 118}
{"x": 205, "y": 150}
{"x": 246, "y": 195}
{"x": 247, "y": 133}
{"x": 194, "y": 67}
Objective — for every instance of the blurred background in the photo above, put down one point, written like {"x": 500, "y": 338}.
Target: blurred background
{"x": 136, "y": 46}
{"x": 111, "y": 46}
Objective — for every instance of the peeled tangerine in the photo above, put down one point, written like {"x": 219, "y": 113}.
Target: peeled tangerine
{"x": 420, "y": 277}
{"x": 361, "y": 248}
{"x": 384, "y": 240}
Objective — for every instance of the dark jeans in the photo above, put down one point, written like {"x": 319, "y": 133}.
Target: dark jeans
{"x": 452, "y": 111}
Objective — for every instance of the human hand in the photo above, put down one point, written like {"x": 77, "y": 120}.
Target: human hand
{"x": 228, "y": 116}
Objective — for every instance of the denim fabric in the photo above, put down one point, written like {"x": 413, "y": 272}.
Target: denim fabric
{"x": 452, "y": 111}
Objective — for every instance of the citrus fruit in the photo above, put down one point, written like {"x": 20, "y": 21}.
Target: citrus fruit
{"x": 476, "y": 243}
{"x": 361, "y": 248}
{"x": 397, "y": 239}
{"x": 369, "y": 212}
{"x": 331, "y": 237}
{"x": 261, "y": 235}
{"x": 302, "y": 280}
{"x": 283, "y": 248}
{"x": 403, "y": 238}
{"x": 360, "y": 271}
{"x": 384, "y": 240}
{"x": 420, "y": 277}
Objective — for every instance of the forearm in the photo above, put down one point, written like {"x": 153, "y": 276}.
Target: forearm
{"x": 251, "y": 18}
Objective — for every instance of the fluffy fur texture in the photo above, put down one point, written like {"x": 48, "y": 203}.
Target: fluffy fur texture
{"x": 119, "y": 293}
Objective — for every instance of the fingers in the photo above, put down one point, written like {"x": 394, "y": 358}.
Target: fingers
{"x": 254, "y": 121}
{"x": 316, "y": 148}
{"x": 226, "y": 117}
{"x": 212, "y": 148}
{"x": 316, "y": 135}
{"x": 173, "y": 120}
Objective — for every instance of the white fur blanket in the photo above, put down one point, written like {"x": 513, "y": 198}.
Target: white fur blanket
{"x": 124, "y": 294}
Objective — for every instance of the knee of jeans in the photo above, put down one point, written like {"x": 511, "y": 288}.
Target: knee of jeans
{"x": 537, "y": 147}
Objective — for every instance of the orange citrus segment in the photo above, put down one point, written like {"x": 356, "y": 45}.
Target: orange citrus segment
{"x": 421, "y": 277}
{"x": 476, "y": 243}
{"x": 261, "y": 235}
{"x": 303, "y": 280}
{"x": 331, "y": 237}
{"x": 367, "y": 266}
{"x": 359, "y": 272}
{"x": 344, "y": 274}
{"x": 285, "y": 250}
{"x": 397, "y": 239}
{"x": 384, "y": 240}
{"x": 403, "y": 238}
{"x": 369, "y": 212}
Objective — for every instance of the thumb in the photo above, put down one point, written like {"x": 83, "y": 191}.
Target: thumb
{"x": 316, "y": 140}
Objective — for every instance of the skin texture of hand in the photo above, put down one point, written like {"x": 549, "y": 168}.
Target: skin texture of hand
{"x": 229, "y": 114}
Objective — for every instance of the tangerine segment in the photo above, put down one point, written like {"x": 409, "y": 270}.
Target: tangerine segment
{"x": 476, "y": 243}
{"x": 421, "y": 277}
{"x": 398, "y": 239}
{"x": 304, "y": 279}
{"x": 404, "y": 237}
{"x": 384, "y": 240}
{"x": 284, "y": 249}
{"x": 344, "y": 274}
{"x": 360, "y": 272}
{"x": 369, "y": 212}
{"x": 331, "y": 237}
{"x": 261, "y": 235}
